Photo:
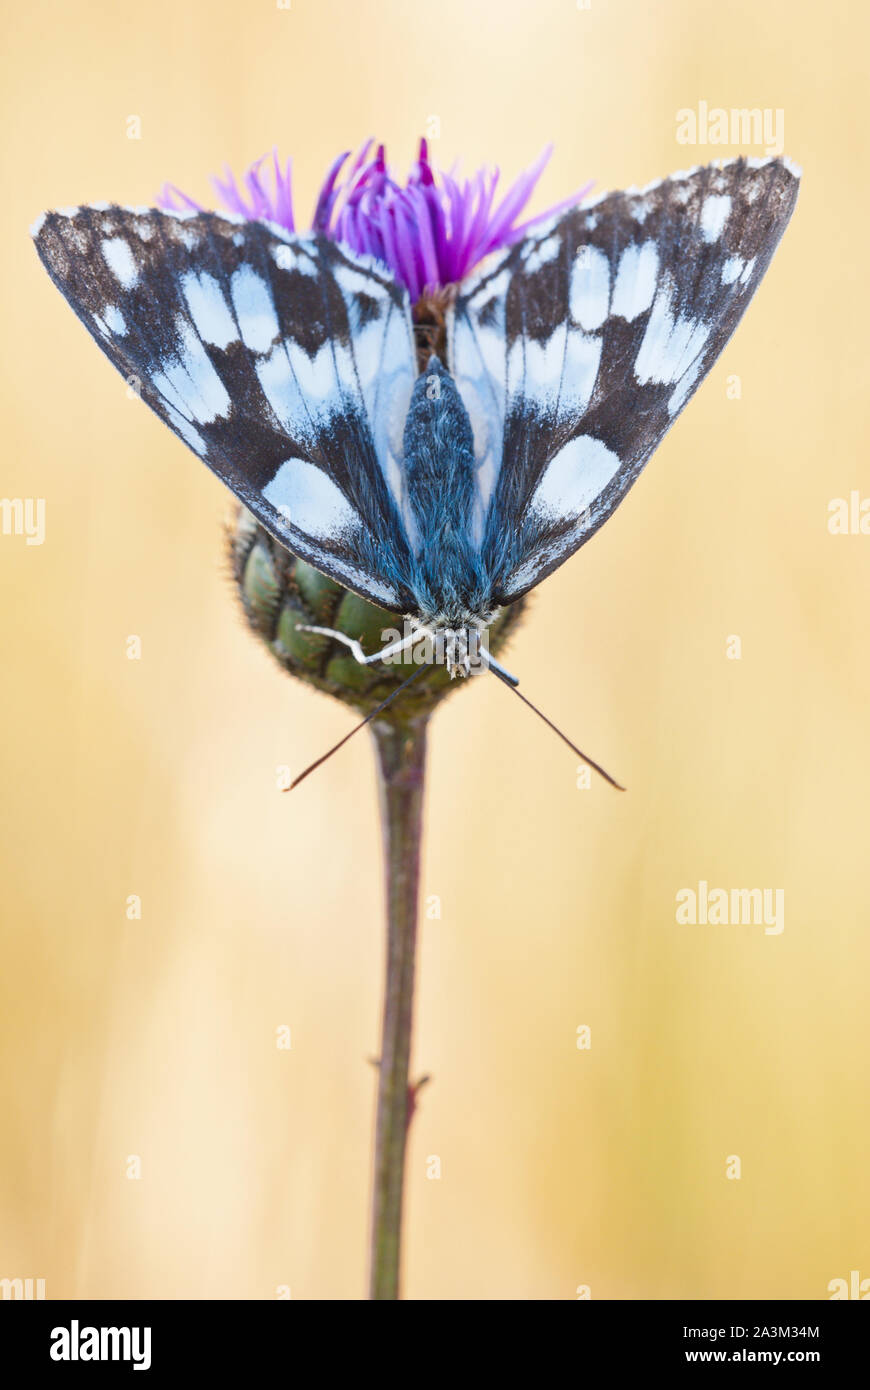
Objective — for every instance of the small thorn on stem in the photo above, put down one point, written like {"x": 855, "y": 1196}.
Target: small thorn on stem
{"x": 414, "y": 1089}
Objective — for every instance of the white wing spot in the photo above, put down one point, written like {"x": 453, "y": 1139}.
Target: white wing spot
{"x": 114, "y": 320}
{"x": 542, "y": 365}
{"x": 495, "y": 288}
{"x": 189, "y": 237}
{"x": 209, "y": 309}
{"x": 582, "y": 362}
{"x": 254, "y": 309}
{"x": 289, "y": 258}
{"x": 714, "y": 215}
{"x": 368, "y": 344}
{"x": 575, "y": 477}
{"x": 731, "y": 269}
{"x": 317, "y": 375}
{"x": 670, "y": 344}
{"x": 542, "y": 253}
{"x": 310, "y": 500}
{"x": 685, "y": 385}
{"x": 590, "y": 287}
{"x": 120, "y": 260}
{"x": 281, "y": 391}
{"x": 635, "y": 281}
{"x": 352, "y": 281}
{"x": 193, "y": 381}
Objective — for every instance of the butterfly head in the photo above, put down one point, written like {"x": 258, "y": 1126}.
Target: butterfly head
{"x": 458, "y": 641}
{"x": 462, "y": 647}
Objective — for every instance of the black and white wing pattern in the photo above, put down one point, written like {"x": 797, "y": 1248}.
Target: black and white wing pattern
{"x": 285, "y": 362}
{"x": 576, "y": 349}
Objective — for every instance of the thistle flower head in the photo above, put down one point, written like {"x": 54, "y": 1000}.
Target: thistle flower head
{"x": 430, "y": 230}
{"x": 279, "y": 592}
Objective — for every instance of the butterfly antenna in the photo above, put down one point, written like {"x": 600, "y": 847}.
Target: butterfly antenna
{"x": 580, "y": 754}
{"x": 342, "y": 741}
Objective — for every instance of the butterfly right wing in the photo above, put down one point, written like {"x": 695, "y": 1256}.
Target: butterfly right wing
{"x": 285, "y": 362}
{"x": 577, "y": 348}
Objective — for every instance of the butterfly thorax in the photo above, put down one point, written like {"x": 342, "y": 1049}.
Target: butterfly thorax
{"x": 449, "y": 580}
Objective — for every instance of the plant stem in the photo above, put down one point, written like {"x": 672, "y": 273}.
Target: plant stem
{"x": 401, "y": 758}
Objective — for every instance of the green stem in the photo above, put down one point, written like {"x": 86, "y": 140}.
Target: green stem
{"x": 401, "y": 758}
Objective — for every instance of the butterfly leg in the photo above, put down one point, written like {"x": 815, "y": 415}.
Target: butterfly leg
{"x": 359, "y": 655}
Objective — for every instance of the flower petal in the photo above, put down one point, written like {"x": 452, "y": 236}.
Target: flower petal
{"x": 431, "y": 231}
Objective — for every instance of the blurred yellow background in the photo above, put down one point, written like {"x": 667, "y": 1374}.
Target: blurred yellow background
{"x": 560, "y": 1167}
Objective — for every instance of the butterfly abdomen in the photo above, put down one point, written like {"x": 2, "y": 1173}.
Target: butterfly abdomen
{"x": 439, "y": 463}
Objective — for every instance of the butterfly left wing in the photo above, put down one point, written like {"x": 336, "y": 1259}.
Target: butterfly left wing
{"x": 285, "y": 362}
{"x": 576, "y": 349}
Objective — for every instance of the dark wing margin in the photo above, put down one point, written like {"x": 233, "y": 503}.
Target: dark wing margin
{"x": 577, "y": 349}
{"x": 285, "y": 363}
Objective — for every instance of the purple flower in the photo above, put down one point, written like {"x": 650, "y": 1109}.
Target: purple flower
{"x": 430, "y": 231}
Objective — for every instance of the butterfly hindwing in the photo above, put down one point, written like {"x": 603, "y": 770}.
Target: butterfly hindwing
{"x": 576, "y": 349}
{"x": 285, "y": 362}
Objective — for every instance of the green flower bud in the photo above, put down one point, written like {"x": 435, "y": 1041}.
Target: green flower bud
{"x": 278, "y": 591}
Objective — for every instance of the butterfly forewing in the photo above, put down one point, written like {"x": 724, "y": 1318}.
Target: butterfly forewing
{"x": 286, "y": 363}
{"x": 576, "y": 350}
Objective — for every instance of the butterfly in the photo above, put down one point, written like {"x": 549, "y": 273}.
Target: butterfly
{"x": 288, "y": 364}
